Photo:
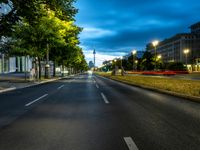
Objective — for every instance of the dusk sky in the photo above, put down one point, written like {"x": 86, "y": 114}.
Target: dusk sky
{"x": 115, "y": 27}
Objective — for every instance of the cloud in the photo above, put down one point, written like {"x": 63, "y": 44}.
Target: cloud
{"x": 118, "y": 26}
{"x": 93, "y": 33}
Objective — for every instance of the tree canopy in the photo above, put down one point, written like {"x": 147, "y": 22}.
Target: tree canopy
{"x": 36, "y": 26}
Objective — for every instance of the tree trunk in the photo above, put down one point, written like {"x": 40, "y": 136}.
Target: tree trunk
{"x": 54, "y": 69}
{"x": 63, "y": 70}
{"x": 40, "y": 69}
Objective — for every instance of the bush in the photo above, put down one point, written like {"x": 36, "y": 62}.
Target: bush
{"x": 176, "y": 66}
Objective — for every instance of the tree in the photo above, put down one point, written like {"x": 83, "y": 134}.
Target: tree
{"x": 45, "y": 26}
{"x": 147, "y": 62}
{"x": 175, "y": 66}
{"x": 30, "y": 10}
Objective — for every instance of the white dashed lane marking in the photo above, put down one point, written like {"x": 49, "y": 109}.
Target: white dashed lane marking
{"x": 60, "y": 87}
{"x": 104, "y": 98}
{"x": 28, "y": 104}
{"x": 130, "y": 143}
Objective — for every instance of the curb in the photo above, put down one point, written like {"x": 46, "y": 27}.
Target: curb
{"x": 40, "y": 83}
{"x": 8, "y": 89}
{"x": 187, "y": 97}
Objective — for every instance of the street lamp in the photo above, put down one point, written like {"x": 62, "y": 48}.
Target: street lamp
{"x": 136, "y": 62}
{"x": 186, "y": 51}
{"x": 159, "y": 57}
{"x": 122, "y": 69}
{"x": 134, "y": 53}
{"x": 121, "y": 58}
{"x": 115, "y": 62}
{"x": 155, "y": 44}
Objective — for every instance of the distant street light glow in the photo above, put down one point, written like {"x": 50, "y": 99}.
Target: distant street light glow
{"x": 186, "y": 51}
{"x": 155, "y": 43}
{"x": 159, "y": 56}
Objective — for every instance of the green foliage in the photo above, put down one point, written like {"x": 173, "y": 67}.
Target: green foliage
{"x": 147, "y": 62}
{"x": 30, "y": 10}
{"x": 176, "y": 66}
{"x": 38, "y": 26}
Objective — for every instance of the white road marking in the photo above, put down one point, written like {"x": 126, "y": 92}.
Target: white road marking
{"x": 60, "y": 87}
{"x": 36, "y": 100}
{"x": 97, "y": 86}
{"x": 104, "y": 98}
{"x": 130, "y": 143}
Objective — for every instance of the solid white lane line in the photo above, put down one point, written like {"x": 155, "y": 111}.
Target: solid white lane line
{"x": 130, "y": 143}
{"x": 36, "y": 100}
{"x": 60, "y": 87}
{"x": 97, "y": 86}
{"x": 104, "y": 98}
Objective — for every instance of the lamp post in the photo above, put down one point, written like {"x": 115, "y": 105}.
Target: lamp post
{"x": 121, "y": 58}
{"x": 115, "y": 69}
{"x": 186, "y": 51}
{"x": 159, "y": 57}
{"x": 134, "y": 53}
{"x": 136, "y": 62}
{"x": 94, "y": 53}
{"x": 122, "y": 69}
{"x": 155, "y": 44}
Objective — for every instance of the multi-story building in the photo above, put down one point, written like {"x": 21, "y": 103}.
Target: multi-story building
{"x": 172, "y": 49}
{"x": 14, "y": 64}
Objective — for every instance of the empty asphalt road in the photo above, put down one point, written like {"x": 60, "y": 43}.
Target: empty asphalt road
{"x": 88, "y": 112}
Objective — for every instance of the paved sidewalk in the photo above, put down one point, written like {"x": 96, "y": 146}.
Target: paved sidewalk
{"x": 14, "y": 81}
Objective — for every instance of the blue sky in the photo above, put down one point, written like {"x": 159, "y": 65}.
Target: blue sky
{"x": 115, "y": 27}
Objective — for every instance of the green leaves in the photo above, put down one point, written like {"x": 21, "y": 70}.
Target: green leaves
{"x": 38, "y": 26}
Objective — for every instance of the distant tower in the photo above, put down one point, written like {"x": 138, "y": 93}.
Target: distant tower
{"x": 94, "y": 52}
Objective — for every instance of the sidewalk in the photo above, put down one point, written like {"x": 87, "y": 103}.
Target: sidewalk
{"x": 14, "y": 81}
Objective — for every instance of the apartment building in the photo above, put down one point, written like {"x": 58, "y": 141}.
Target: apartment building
{"x": 14, "y": 64}
{"x": 172, "y": 49}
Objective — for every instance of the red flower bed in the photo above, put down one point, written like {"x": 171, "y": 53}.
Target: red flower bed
{"x": 159, "y": 73}
{"x": 181, "y": 72}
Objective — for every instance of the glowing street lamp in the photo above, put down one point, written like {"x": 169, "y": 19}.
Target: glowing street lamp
{"x": 186, "y": 51}
{"x": 155, "y": 44}
{"x": 136, "y": 62}
{"x": 115, "y": 62}
{"x": 121, "y": 58}
{"x": 159, "y": 57}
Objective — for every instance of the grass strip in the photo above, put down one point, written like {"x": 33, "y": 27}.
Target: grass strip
{"x": 182, "y": 86}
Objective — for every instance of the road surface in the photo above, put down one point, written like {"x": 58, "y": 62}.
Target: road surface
{"x": 93, "y": 113}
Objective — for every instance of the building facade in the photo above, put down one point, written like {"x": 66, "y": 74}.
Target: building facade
{"x": 14, "y": 64}
{"x": 172, "y": 49}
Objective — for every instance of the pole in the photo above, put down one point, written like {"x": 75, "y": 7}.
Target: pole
{"x": 155, "y": 59}
{"x": 186, "y": 61}
{"x": 121, "y": 63}
{"x": 94, "y": 52}
{"x": 25, "y": 69}
{"x": 133, "y": 62}
{"x": 3, "y": 61}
